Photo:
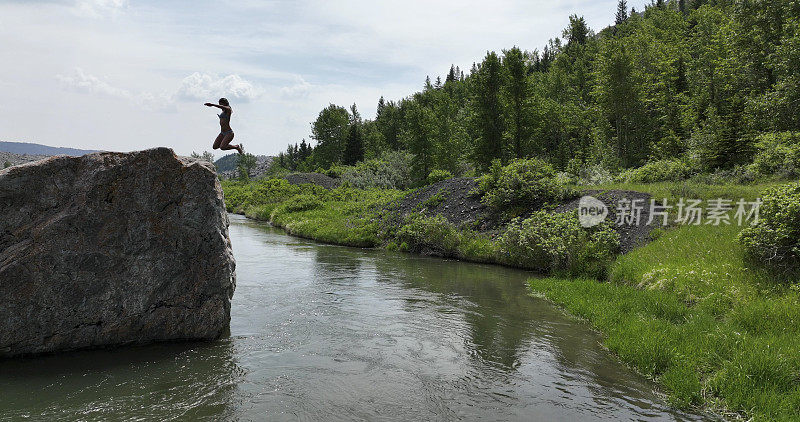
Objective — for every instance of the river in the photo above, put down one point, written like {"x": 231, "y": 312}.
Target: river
{"x": 322, "y": 332}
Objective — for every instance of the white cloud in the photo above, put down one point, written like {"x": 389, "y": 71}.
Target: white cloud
{"x": 195, "y": 87}
{"x": 81, "y": 81}
{"x": 203, "y": 86}
{"x": 100, "y": 8}
{"x": 300, "y": 89}
{"x": 142, "y": 55}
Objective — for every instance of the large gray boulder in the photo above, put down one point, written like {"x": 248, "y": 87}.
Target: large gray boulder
{"x": 110, "y": 249}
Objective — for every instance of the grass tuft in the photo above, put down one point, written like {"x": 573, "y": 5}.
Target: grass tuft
{"x": 688, "y": 311}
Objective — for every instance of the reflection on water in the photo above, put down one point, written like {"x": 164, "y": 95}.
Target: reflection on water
{"x": 140, "y": 382}
{"x": 330, "y": 333}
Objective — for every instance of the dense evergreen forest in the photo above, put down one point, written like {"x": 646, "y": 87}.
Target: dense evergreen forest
{"x": 695, "y": 82}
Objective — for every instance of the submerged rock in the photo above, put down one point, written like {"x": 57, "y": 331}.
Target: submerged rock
{"x": 110, "y": 249}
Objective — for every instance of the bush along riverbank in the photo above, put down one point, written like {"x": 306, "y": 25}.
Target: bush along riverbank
{"x": 506, "y": 217}
{"x": 711, "y": 312}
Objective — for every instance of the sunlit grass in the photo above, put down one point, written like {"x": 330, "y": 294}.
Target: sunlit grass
{"x": 340, "y": 223}
{"x": 672, "y": 191}
{"x": 687, "y": 311}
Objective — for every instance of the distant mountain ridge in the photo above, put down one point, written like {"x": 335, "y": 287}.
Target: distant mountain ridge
{"x": 227, "y": 162}
{"x": 39, "y": 149}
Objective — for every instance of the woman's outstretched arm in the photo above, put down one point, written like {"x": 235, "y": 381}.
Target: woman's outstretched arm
{"x": 226, "y": 108}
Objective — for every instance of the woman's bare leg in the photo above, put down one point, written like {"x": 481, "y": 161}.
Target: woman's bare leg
{"x": 218, "y": 141}
{"x": 226, "y": 144}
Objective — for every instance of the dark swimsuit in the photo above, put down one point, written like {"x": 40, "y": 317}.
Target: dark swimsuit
{"x": 227, "y": 116}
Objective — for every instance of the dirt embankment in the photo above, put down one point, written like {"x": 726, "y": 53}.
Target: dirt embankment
{"x": 630, "y": 235}
{"x": 455, "y": 199}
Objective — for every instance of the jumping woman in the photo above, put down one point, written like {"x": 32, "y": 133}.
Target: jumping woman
{"x": 225, "y": 136}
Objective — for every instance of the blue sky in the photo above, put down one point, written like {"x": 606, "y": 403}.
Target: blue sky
{"x": 126, "y": 74}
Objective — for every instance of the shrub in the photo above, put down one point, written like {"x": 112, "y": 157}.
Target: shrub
{"x": 557, "y": 243}
{"x": 594, "y": 174}
{"x": 775, "y": 239}
{"x": 520, "y": 186}
{"x": 437, "y": 236}
{"x": 657, "y": 171}
{"x": 579, "y": 172}
{"x": 391, "y": 171}
{"x": 434, "y": 235}
{"x": 778, "y": 153}
{"x": 335, "y": 171}
{"x": 438, "y": 175}
{"x": 302, "y": 202}
{"x": 434, "y": 201}
{"x": 740, "y": 174}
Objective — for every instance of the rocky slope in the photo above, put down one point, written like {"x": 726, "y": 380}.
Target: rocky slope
{"x": 8, "y": 159}
{"x": 112, "y": 248}
{"x": 455, "y": 200}
{"x": 228, "y": 170}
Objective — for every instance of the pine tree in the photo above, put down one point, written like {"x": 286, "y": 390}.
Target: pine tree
{"x": 577, "y": 33}
{"x": 304, "y": 151}
{"x": 290, "y": 158}
{"x": 622, "y": 12}
{"x": 451, "y": 76}
{"x": 488, "y": 112}
{"x": 381, "y": 105}
{"x": 516, "y": 91}
{"x": 388, "y": 122}
{"x": 354, "y": 148}
{"x": 547, "y": 58}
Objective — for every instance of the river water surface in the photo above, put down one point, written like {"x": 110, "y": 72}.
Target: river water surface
{"x": 324, "y": 332}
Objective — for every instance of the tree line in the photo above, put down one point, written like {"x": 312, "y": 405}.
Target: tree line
{"x": 691, "y": 79}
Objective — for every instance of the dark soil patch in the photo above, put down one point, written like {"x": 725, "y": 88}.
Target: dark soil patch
{"x": 630, "y": 235}
{"x": 452, "y": 199}
{"x": 313, "y": 178}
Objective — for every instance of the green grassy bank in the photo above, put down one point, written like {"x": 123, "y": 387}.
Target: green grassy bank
{"x": 686, "y": 310}
{"x": 690, "y": 312}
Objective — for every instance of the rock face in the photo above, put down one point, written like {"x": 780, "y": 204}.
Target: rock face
{"x": 8, "y": 159}
{"x": 110, "y": 249}
{"x": 228, "y": 170}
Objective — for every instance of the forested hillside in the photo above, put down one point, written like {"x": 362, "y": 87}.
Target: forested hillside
{"x": 688, "y": 86}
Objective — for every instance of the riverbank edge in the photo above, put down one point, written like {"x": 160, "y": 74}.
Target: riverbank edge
{"x": 697, "y": 394}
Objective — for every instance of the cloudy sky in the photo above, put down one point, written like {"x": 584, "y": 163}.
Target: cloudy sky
{"x": 128, "y": 74}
